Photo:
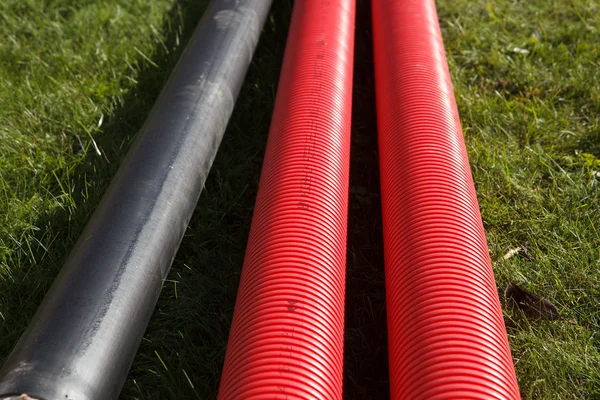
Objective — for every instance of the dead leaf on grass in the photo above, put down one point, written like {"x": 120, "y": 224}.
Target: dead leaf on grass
{"x": 533, "y": 305}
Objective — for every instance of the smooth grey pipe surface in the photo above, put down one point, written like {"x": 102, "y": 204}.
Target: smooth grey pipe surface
{"x": 82, "y": 340}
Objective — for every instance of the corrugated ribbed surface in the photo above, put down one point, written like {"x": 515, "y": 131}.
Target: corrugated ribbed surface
{"x": 286, "y": 338}
{"x": 447, "y": 338}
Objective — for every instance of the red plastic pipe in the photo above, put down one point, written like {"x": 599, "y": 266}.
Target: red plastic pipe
{"x": 287, "y": 335}
{"x": 447, "y": 338}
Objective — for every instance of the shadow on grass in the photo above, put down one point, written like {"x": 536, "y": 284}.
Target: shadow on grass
{"x": 183, "y": 350}
{"x": 366, "y": 363}
{"x": 591, "y": 143}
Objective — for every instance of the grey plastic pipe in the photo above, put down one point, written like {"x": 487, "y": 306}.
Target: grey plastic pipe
{"x": 82, "y": 340}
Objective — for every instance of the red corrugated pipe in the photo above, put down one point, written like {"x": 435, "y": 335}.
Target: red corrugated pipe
{"x": 287, "y": 335}
{"x": 447, "y": 338}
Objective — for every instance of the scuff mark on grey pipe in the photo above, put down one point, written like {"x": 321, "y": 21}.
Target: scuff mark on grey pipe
{"x": 84, "y": 336}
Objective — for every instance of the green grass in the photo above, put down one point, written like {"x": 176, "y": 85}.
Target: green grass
{"x": 66, "y": 66}
{"x": 526, "y": 80}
